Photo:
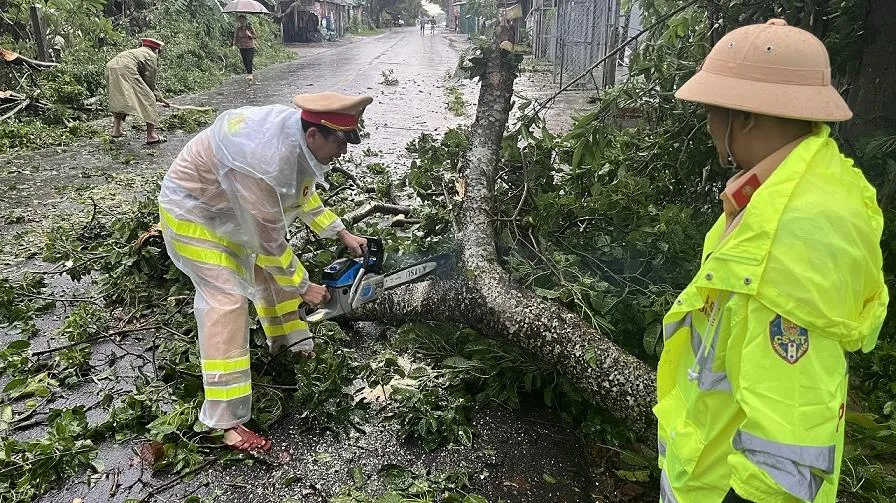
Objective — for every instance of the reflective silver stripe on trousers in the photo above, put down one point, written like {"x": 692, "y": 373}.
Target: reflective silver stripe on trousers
{"x": 789, "y": 465}
{"x": 666, "y": 494}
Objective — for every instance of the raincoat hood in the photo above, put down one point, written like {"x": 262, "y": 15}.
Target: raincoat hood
{"x": 808, "y": 246}
{"x": 266, "y": 142}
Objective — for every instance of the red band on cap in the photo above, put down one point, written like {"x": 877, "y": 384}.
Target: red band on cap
{"x": 333, "y": 120}
{"x": 151, "y": 43}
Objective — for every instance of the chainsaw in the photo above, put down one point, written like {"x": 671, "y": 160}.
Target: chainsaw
{"x": 353, "y": 282}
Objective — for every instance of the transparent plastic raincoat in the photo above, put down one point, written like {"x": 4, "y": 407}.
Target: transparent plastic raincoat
{"x": 225, "y": 205}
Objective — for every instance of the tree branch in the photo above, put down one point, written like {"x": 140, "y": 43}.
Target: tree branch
{"x": 375, "y": 208}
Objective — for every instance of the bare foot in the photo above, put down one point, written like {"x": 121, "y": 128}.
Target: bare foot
{"x": 243, "y": 439}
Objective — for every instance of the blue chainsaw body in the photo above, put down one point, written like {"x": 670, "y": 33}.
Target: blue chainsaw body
{"x": 352, "y": 282}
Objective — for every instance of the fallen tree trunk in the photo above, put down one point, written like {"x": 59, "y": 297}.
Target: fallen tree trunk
{"x": 484, "y": 297}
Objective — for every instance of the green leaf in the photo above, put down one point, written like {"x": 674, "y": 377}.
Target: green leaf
{"x": 390, "y": 497}
{"x": 634, "y": 475}
{"x": 465, "y": 435}
{"x": 418, "y": 372}
{"x": 358, "y": 476}
{"x": 18, "y": 345}
{"x": 474, "y": 498}
{"x": 549, "y": 478}
{"x": 635, "y": 459}
{"x": 457, "y": 362}
{"x": 548, "y": 294}
{"x": 577, "y": 156}
{"x": 15, "y": 384}
{"x": 865, "y": 420}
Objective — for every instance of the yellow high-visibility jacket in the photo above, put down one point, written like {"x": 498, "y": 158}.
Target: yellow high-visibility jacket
{"x": 751, "y": 384}
{"x": 230, "y": 195}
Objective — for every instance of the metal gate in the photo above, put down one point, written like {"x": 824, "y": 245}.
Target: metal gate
{"x": 574, "y": 34}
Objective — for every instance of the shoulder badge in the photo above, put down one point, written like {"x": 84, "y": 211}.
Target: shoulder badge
{"x": 789, "y": 340}
{"x": 235, "y": 123}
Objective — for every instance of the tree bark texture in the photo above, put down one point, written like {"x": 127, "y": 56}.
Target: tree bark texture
{"x": 484, "y": 297}
{"x": 872, "y": 98}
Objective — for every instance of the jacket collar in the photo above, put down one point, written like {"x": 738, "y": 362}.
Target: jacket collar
{"x": 740, "y": 188}
{"x": 735, "y": 262}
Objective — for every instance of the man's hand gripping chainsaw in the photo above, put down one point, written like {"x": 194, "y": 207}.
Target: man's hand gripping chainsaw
{"x": 353, "y": 282}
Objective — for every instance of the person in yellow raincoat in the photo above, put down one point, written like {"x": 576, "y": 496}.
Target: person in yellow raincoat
{"x": 131, "y": 88}
{"x": 751, "y": 384}
{"x": 225, "y": 205}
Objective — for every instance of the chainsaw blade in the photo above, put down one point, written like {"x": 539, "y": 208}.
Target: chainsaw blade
{"x": 418, "y": 272}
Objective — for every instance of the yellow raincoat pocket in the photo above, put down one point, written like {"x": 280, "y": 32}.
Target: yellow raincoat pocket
{"x": 685, "y": 446}
{"x": 668, "y": 411}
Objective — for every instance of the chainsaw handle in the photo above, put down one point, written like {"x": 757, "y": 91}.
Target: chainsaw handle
{"x": 342, "y": 251}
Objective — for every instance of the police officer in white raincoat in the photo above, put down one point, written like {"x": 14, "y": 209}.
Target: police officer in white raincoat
{"x": 225, "y": 205}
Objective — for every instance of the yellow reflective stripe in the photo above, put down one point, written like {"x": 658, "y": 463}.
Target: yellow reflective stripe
{"x": 312, "y": 203}
{"x": 194, "y": 230}
{"x": 284, "y": 329}
{"x": 294, "y": 280}
{"x": 228, "y": 392}
{"x": 278, "y": 310}
{"x": 324, "y": 220}
{"x": 282, "y": 261}
{"x": 225, "y": 366}
{"x": 207, "y": 256}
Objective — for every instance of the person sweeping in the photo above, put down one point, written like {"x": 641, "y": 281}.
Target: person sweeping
{"x": 131, "y": 88}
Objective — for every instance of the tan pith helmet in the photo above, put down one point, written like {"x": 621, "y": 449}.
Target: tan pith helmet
{"x": 770, "y": 69}
{"x": 338, "y": 112}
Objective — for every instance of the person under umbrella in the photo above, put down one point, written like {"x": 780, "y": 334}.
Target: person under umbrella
{"x": 244, "y": 39}
{"x": 131, "y": 88}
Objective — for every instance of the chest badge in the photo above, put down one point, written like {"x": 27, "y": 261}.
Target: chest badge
{"x": 789, "y": 340}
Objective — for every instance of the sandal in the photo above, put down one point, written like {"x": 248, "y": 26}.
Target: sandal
{"x": 160, "y": 139}
{"x": 243, "y": 439}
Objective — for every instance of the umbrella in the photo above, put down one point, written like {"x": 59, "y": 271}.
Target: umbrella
{"x": 245, "y": 7}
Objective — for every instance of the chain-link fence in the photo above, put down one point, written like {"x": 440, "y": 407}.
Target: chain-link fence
{"x": 574, "y": 34}
{"x": 543, "y": 22}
